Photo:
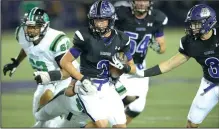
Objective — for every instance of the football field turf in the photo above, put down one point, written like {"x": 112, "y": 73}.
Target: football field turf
{"x": 168, "y": 100}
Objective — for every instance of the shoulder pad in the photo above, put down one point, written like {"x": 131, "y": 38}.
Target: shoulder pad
{"x": 17, "y": 32}
{"x": 56, "y": 40}
{"x": 216, "y": 31}
{"x": 185, "y": 40}
{"x": 82, "y": 34}
{"x": 160, "y": 17}
{"x": 123, "y": 36}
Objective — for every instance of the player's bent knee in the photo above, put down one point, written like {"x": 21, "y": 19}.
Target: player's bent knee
{"x": 129, "y": 99}
{"x": 130, "y": 113}
{"x": 46, "y": 97}
{"x": 191, "y": 125}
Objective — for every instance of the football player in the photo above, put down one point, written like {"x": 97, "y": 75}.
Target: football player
{"x": 96, "y": 47}
{"x": 44, "y": 48}
{"x": 202, "y": 43}
{"x": 144, "y": 26}
{"x": 67, "y": 99}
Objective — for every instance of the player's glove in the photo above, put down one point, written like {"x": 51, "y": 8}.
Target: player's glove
{"x": 119, "y": 65}
{"x": 42, "y": 77}
{"x": 87, "y": 87}
{"x": 154, "y": 45}
{"x": 139, "y": 72}
{"x": 10, "y": 67}
{"x": 45, "y": 78}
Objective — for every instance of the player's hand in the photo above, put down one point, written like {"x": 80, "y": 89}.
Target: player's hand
{"x": 42, "y": 77}
{"x": 10, "y": 67}
{"x": 116, "y": 62}
{"x": 87, "y": 87}
{"x": 139, "y": 72}
{"x": 154, "y": 45}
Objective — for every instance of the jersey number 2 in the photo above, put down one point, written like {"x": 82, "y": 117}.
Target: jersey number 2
{"x": 140, "y": 47}
{"x": 213, "y": 64}
{"x": 104, "y": 65}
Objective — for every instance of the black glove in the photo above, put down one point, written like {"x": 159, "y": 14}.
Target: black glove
{"x": 10, "y": 67}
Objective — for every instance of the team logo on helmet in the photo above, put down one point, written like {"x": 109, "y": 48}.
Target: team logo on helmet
{"x": 205, "y": 12}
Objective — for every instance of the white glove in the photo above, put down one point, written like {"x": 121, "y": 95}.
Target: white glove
{"x": 42, "y": 77}
{"x": 139, "y": 73}
{"x": 116, "y": 62}
{"x": 87, "y": 88}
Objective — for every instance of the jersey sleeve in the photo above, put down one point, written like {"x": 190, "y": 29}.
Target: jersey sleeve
{"x": 183, "y": 47}
{"x": 162, "y": 21}
{"x": 78, "y": 44}
{"x": 62, "y": 46}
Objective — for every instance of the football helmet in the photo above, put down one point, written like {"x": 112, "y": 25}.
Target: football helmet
{"x": 35, "y": 24}
{"x": 101, "y": 9}
{"x": 142, "y": 6}
{"x": 200, "y": 19}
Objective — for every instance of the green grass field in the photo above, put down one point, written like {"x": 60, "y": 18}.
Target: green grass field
{"x": 168, "y": 101}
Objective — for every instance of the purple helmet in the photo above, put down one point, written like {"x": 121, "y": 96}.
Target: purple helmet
{"x": 101, "y": 9}
{"x": 200, "y": 19}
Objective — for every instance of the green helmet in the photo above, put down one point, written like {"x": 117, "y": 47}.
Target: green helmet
{"x": 35, "y": 24}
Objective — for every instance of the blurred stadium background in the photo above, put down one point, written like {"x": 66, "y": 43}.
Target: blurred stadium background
{"x": 170, "y": 94}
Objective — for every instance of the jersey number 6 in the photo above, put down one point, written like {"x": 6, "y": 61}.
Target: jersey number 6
{"x": 213, "y": 64}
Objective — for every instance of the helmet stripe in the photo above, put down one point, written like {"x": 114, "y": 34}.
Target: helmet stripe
{"x": 34, "y": 13}
{"x": 98, "y": 7}
{"x": 31, "y": 13}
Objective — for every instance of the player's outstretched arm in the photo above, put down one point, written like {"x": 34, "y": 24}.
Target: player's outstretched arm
{"x": 165, "y": 66}
{"x": 15, "y": 62}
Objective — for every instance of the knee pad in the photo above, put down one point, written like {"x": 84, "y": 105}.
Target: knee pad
{"x": 129, "y": 99}
{"x": 137, "y": 105}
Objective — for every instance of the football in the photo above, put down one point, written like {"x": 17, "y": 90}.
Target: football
{"x": 115, "y": 72}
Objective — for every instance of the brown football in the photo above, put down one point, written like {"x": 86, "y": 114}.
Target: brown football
{"x": 114, "y": 72}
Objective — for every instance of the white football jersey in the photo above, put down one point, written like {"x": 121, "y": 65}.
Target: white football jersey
{"x": 42, "y": 56}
